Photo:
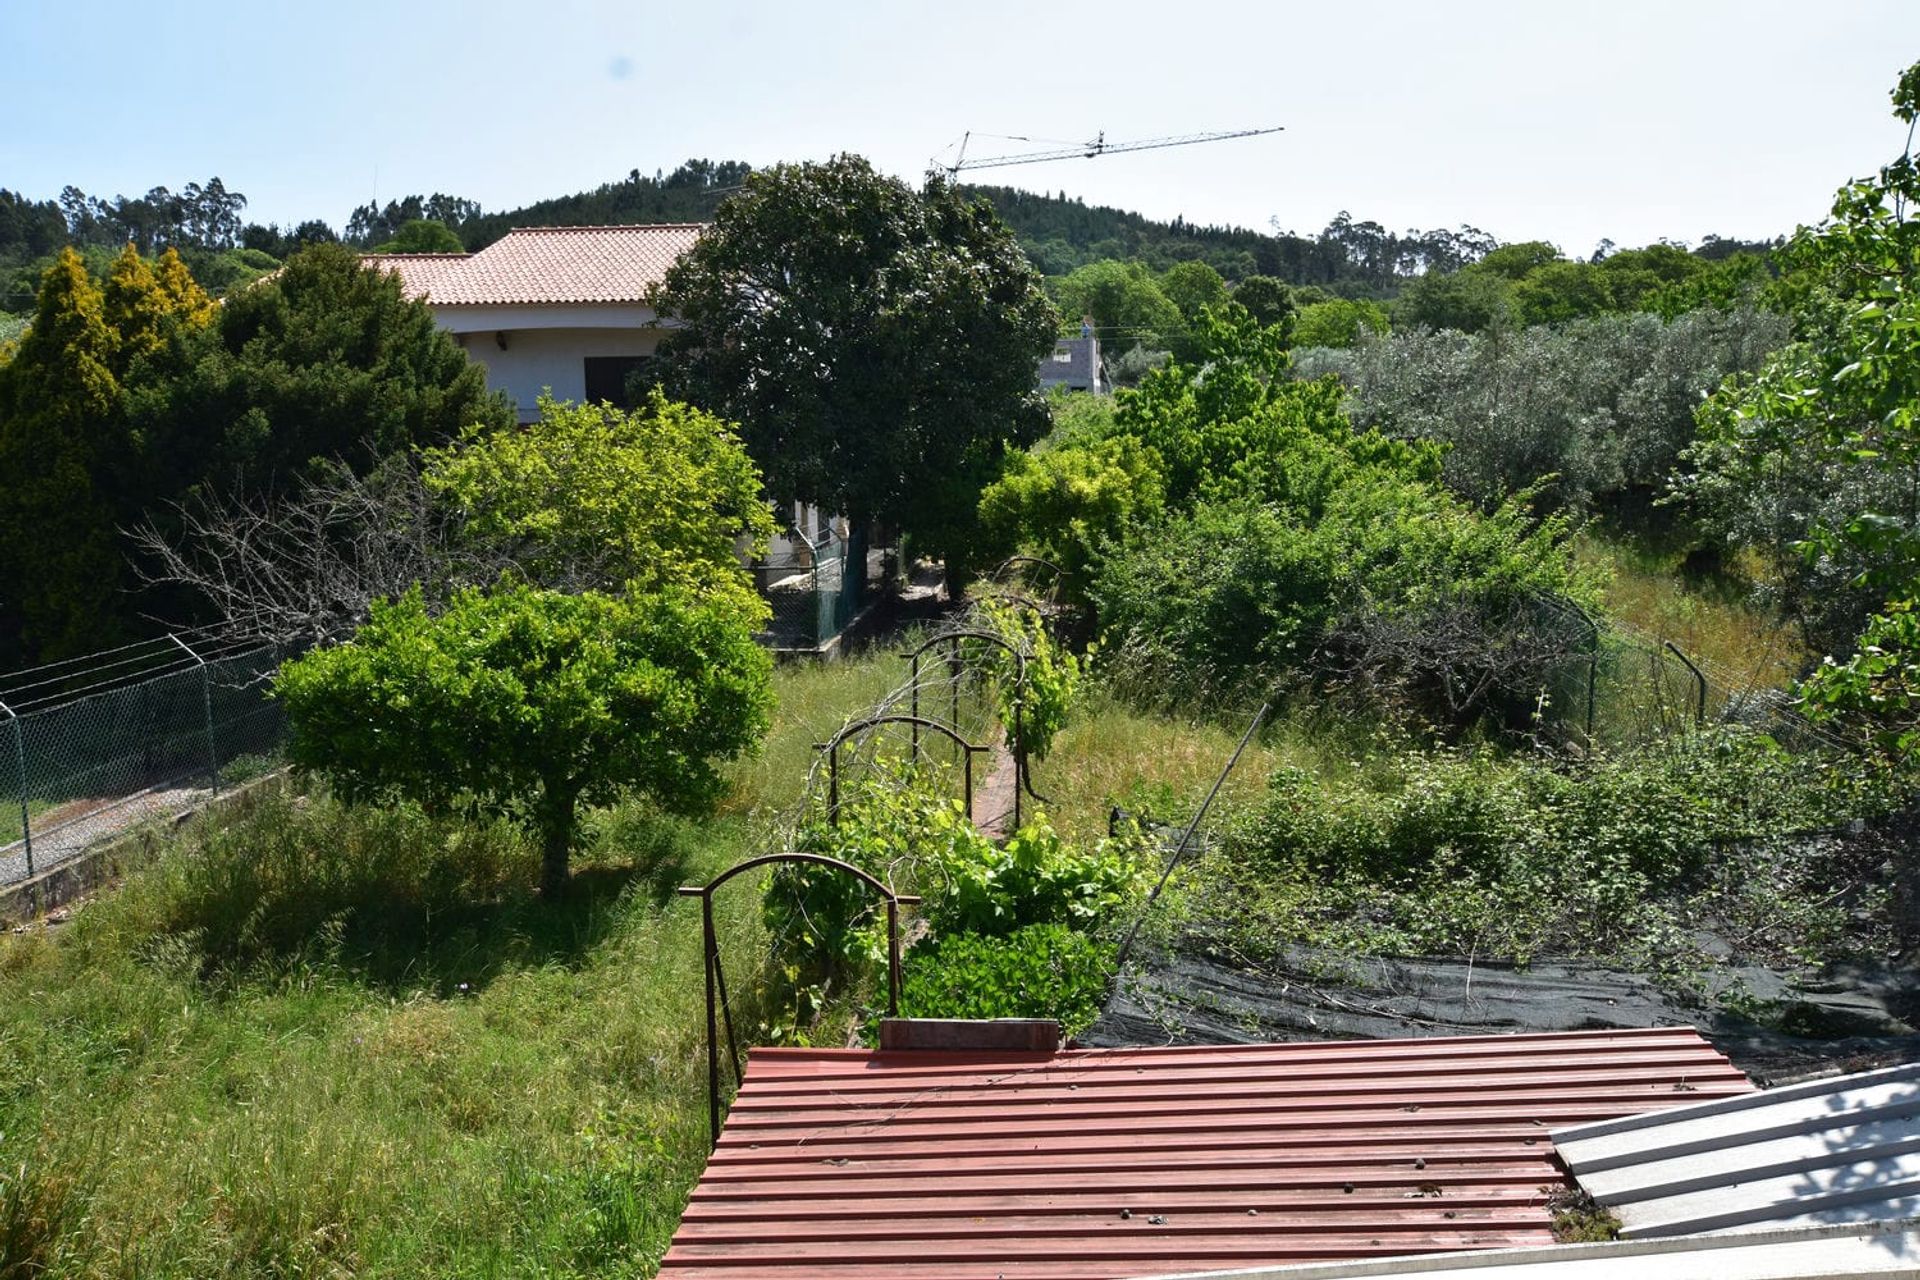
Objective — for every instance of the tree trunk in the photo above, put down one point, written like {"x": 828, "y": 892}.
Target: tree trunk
{"x": 556, "y": 841}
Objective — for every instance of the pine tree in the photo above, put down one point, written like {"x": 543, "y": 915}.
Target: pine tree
{"x": 60, "y": 571}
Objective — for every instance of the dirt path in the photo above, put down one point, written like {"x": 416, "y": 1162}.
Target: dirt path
{"x": 994, "y": 795}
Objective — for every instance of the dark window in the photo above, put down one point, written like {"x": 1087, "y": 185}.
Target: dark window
{"x": 607, "y": 378}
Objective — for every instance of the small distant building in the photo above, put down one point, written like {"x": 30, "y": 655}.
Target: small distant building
{"x": 1074, "y": 364}
{"x": 559, "y": 308}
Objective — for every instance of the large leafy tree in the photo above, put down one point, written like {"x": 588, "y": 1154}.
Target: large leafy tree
{"x": 1835, "y": 417}
{"x": 529, "y": 704}
{"x": 1815, "y": 457}
{"x": 877, "y": 344}
{"x": 1128, "y": 306}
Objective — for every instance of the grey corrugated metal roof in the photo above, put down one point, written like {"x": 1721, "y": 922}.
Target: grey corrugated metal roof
{"x": 1845, "y": 1149}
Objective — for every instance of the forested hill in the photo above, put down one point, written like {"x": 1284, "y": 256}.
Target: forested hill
{"x": 1350, "y": 257}
{"x": 1058, "y": 232}
{"x": 688, "y": 194}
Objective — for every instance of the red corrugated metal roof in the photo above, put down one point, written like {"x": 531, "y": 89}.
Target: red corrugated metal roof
{"x": 1103, "y": 1163}
{"x": 548, "y": 265}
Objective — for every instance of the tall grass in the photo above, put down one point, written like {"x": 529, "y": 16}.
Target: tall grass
{"x": 1714, "y": 618}
{"x": 1160, "y": 766}
{"x": 321, "y": 1040}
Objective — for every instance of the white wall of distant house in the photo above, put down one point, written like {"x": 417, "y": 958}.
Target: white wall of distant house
{"x": 529, "y": 349}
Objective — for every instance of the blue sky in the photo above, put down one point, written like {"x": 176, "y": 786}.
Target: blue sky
{"x": 1562, "y": 121}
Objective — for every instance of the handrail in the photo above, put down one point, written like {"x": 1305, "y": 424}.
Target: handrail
{"x": 716, "y": 977}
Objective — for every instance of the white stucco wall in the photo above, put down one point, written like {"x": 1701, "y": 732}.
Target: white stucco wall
{"x": 544, "y": 346}
{"x": 536, "y": 360}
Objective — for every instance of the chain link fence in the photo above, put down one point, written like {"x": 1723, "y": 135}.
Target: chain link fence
{"x": 1623, "y": 688}
{"x": 817, "y": 589}
{"x": 95, "y": 745}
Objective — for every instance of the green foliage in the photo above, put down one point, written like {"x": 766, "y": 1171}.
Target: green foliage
{"x": 823, "y": 925}
{"x": 526, "y": 703}
{"x": 1875, "y": 694}
{"x": 1242, "y": 426}
{"x": 1040, "y": 971}
{"x": 1337, "y": 322}
{"x": 876, "y": 344}
{"x": 1032, "y": 878}
{"x": 1067, "y": 503}
{"x": 1602, "y": 405}
{"x": 1471, "y": 852}
{"x": 1269, "y": 301}
{"x": 599, "y": 497}
{"x": 1128, "y": 305}
{"x": 328, "y": 359}
{"x": 1052, "y": 675}
{"x": 1387, "y": 586}
{"x": 422, "y": 235}
{"x": 1556, "y": 291}
{"x": 1470, "y": 301}
{"x": 1815, "y": 454}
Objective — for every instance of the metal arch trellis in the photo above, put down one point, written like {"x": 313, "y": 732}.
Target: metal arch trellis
{"x": 957, "y": 637}
{"x": 716, "y": 976}
{"x": 1053, "y": 584}
{"x": 832, "y": 749}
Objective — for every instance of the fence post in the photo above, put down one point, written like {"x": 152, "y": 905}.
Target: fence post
{"x": 1699, "y": 684}
{"x": 206, "y": 707}
{"x": 20, "y": 762}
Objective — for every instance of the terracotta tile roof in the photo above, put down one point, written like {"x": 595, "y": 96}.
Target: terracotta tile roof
{"x": 1100, "y": 1163}
{"x": 419, "y": 273}
{"x": 534, "y": 266}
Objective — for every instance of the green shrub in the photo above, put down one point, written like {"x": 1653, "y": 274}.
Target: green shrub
{"x": 1473, "y": 852}
{"x": 1389, "y": 586}
{"x": 1065, "y": 504}
{"x": 824, "y": 925}
{"x": 529, "y": 704}
{"x": 1034, "y": 878}
{"x": 1040, "y": 971}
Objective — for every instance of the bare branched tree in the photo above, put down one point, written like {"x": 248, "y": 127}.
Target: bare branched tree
{"x": 1456, "y": 659}
{"x": 305, "y": 568}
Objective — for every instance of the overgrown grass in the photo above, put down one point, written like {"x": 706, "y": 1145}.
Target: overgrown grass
{"x": 314, "y": 1040}
{"x": 1159, "y": 766}
{"x": 1712, "y": 617}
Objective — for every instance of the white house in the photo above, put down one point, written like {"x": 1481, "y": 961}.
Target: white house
{"x": 564, "y": 310}
{"x": 551, "y": 308}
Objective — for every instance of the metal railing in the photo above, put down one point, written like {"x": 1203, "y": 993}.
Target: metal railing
{"x": 1622, "y": 687}
{"x": 94, "y": 745}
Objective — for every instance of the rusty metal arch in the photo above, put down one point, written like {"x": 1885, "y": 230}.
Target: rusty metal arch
{"x": 717, "y": 978}
{"x": 1022, "y": 780}
{"x": 1059, "y": 574}
{"x": 919, "y": 722}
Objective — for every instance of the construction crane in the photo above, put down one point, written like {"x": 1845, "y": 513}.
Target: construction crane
{"x": 1099, "y": 146}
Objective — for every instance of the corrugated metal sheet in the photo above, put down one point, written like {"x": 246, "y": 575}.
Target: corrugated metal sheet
{"x": 1136, "y": 1162}
{"x": 1840, "y": 1150}
{"x": 1802, "y": 1253}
